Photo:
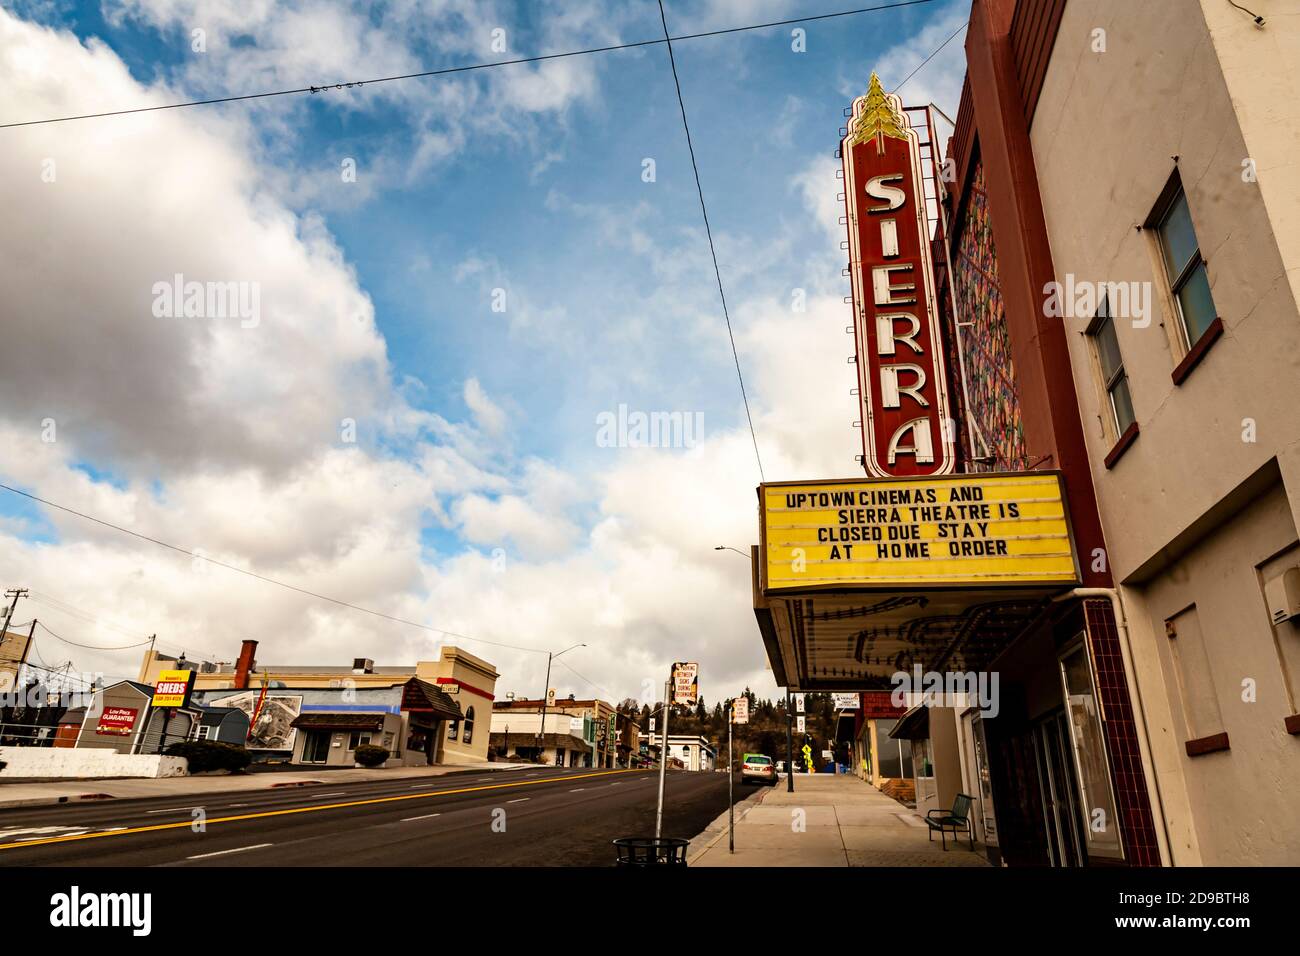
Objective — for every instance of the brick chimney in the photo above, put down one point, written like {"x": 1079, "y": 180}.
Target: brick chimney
{"x": 246, "y": 663}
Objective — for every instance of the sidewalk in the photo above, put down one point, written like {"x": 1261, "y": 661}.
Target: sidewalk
{"x": 845, "y": 822}
{"x": 72, "y": 791}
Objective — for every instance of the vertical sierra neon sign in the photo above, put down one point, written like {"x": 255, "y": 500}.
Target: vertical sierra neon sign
{"x": 902, "y": 385}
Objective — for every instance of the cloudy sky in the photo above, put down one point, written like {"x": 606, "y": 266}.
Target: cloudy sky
{"x": 455, "y": 277}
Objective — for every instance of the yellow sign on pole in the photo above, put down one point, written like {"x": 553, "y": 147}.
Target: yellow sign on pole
{"x": 173, "y": 688}
{"x": 992, "y": 529}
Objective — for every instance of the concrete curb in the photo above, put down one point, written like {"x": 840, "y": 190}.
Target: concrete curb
{"x": 55, "y": 801}
{"x": 720, "y": 824}
{"x": 62, "y": 798}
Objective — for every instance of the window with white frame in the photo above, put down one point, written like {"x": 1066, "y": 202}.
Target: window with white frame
{"x": 1111, "y": 363}
{"x": 1184, "y": 266}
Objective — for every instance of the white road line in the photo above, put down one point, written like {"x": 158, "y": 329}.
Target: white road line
{"x": 424, "y": 817}
{"x": 423, "y": 786}
{"x": 517, "y": 800}
{"x": 172, "y": 810}
{"x": 336, "y": 793}
{"x": 238, "y": 849}
{"x": 236, "y": 804}
{"x": 577, "y": 790}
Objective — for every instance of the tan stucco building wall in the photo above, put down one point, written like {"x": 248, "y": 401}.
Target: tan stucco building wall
{"x": 1202, "y": 507}
{"x": 474, "y": 681}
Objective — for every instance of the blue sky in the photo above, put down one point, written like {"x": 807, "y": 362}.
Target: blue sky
{"x": 526, "y": 179}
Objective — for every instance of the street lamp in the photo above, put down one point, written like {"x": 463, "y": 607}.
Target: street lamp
{"x": 723, "y": 547}
{"x": 541, "y": 728}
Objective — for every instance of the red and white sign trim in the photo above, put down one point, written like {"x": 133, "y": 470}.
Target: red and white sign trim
{"x": 902, "y": 379}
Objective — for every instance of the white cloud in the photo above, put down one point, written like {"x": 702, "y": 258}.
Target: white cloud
{"x": 228, "y": 439}
{"x": 489, "y": 415}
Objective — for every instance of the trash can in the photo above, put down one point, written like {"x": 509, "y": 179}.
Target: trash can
{"x": 648, "y": 851}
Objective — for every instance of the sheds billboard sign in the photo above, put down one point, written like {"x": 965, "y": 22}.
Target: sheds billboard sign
{"x": 173, "y": 689}
{"x": 902, "y": 383}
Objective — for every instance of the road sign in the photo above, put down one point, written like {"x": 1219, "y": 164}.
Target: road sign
{"x": 652, "y": 725}
{"x": 846, "y": 701}
{"x": 798, "y": 703}
{"x": 800, "y": 725}
{"x": 550, "y": 697}
{"x": 686, "y": 683}
{"x": 740, "y": 710}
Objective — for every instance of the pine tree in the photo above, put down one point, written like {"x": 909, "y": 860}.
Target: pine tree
{"x": 879, "y": 118}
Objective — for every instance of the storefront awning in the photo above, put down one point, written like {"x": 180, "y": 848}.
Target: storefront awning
{"x": 319, "y": 721}
{"x": 421, "y": 697}
{"x": 913, "y": 725}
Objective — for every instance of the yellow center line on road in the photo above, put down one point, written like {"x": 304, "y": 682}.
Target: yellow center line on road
{"x": 291, "y": 810}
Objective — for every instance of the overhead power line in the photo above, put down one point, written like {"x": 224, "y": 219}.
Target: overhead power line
{"x": 446, "y": 71}
{"x": 933, "y": 54}
{"x": 89, "y": 647}
{"x": 708, "y": 232}
{"x": 591, "y": 683}
{"x": 264, "y": 578}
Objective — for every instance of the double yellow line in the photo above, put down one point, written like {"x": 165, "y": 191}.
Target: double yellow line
{"x": 313, "y": 809}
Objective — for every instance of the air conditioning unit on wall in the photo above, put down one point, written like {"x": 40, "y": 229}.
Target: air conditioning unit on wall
{"x": 1283, "y": 596}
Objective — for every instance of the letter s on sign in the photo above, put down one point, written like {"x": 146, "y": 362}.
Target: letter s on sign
{"x": 892, "y": 196}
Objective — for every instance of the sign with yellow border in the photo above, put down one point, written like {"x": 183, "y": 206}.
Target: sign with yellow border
{"x": 173, "y": 688}
{"x": 992, "y": 529}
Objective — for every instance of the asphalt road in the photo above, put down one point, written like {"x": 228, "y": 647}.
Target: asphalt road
{"x": 555, "y": 817}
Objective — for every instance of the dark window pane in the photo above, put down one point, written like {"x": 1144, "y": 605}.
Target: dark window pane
{"x": 1122, "y": 403}
{"x": 1177, "y": 237}
{"x": 1196, "y": 303}
{"x": 1108, "y": 350}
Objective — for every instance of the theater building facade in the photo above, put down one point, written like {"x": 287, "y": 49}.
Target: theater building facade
{"x": 1081, "y": 438}
{"x": 1165, "y": 151}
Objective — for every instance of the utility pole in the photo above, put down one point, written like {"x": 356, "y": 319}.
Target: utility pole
{"x": 13, "y": 594}
{"x": 663, "y": 759}
{"x": 789, "y": 742}
{"x": 541, "y": 727}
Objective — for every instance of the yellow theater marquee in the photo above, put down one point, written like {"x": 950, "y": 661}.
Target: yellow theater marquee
{"x": 954, "y": 530}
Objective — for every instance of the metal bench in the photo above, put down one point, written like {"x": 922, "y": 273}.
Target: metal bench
{"x": 957, "y": 820}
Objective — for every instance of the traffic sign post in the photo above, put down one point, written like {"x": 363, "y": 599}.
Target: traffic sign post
{"x": 731, "y": 780}
{"x": 663, "y": 760}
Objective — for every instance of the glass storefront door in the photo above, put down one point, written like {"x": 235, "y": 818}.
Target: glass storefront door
{"x": 1099, "y": 822}
{"x": 316, "y": 748}
{"x": 1057, "y": 791}
{"x": 982, "y": 788}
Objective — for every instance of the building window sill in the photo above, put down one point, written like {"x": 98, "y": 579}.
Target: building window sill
{"x": 1207, "y": 745}
{"x": 1197, "y": 351}
{"x": 1125, "y": 440}
{"x": 1292, "y": 724}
